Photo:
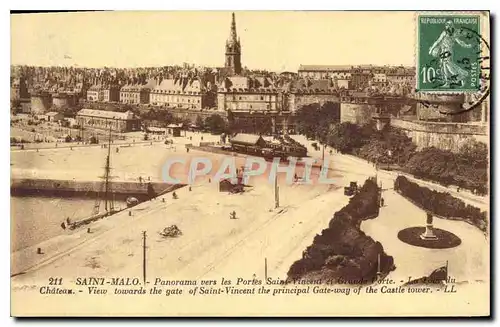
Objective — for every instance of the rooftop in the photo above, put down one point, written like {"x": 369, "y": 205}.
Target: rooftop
{"x": 242, "y": 138}
{"x": 128, "y": 115}
{"x": 321, "y": 68}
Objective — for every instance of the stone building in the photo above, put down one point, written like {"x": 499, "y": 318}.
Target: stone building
{"x": 357, "y": 108}
{"x": 137, "y": 93}
{"x": 379, "y": 78}
{"x": 249, "y": 94}
{"x": 185, "y": 93}
{"x": 305, "y": 91}
{"x": 360, "y": 78}
{"x": 324, "y": 71}
{"x": 64, "y": 99}
{"x": 100, "y": 119}
{"x": 401, "y": 75}
{"x": 103, "y": 93}
{"x": 41, "y": 102}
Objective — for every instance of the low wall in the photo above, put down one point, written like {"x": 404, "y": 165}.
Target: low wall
{"x": 52, "y": 187}
{"x": 446, "y": 136}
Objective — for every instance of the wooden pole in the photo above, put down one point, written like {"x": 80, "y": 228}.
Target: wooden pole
{"x": 144, "y": 257}
{"x": 378, "y": 264}
{"x": 276, "y": 192}
{"x": 265, "y": 268}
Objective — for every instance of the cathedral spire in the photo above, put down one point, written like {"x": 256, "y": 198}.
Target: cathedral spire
{"x": 232, "y": 34}
{"x": 233, "y": 50}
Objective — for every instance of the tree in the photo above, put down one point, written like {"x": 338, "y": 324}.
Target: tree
{"x": 387, "y": 146}
{"x": 199, "y": 122}
{"x": 315, "y": 120}
{"x": 346, "y": 137}
{"x": 474, "y": 153}
{"x": 307, "y": 119}
{"x": 435, "y": 164}
{"x": 215, "y": 124}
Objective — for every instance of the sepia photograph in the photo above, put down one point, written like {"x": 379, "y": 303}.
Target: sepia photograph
{"x": 250, "y": 163}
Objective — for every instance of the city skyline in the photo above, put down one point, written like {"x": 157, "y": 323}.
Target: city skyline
{"x": 149, "y": 39}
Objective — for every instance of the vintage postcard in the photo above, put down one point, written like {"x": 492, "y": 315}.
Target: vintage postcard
{"x": 250, "y": 163}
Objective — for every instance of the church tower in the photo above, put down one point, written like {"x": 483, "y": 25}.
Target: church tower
{"x": 233, "y": 51}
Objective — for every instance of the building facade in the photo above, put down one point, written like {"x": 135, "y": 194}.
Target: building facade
{"x": 305, "y": 91}
{"x": 100, "y": 119}
{"x": 249, "y": 94}
{"x": 137, "y": 93}
{"x": 103, "y": 93}
{"x": 324, "y": 71}
{"x": 184, "y": 93}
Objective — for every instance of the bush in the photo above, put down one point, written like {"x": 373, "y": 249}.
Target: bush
{"x": 342, "y": 250}
{"x": 467, "y": 169}
{"x": 440, "y": 203}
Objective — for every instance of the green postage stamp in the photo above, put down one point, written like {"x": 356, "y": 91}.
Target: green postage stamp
{"x": 448, "y": 53}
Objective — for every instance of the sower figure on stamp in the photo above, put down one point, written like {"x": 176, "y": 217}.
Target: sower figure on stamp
{"x": 443, "y": 49}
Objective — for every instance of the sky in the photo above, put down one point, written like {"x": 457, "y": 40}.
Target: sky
{"x": 272, "y": 40}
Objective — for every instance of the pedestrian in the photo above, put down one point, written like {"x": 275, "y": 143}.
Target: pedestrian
{"x": 382, "y": 202}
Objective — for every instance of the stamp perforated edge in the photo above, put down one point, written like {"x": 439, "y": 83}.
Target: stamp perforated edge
{"x": 416, "y": 30}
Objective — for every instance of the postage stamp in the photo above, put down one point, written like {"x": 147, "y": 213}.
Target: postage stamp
{"x": 448, "y": 53}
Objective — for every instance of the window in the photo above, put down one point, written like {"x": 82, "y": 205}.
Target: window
{"x": 261, "y": 97}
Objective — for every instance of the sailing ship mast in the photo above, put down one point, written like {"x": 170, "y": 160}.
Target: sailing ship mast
{"x": 107, "y": 168}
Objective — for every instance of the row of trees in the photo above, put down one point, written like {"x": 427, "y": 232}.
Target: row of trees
{"x": 468, "y": 168}
{"x": 439, "y": 203}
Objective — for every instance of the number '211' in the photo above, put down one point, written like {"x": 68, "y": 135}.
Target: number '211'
{"x": 428, "y": 74}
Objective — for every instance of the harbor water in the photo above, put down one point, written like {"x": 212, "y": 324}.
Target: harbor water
{"x": 36, "y": 219}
